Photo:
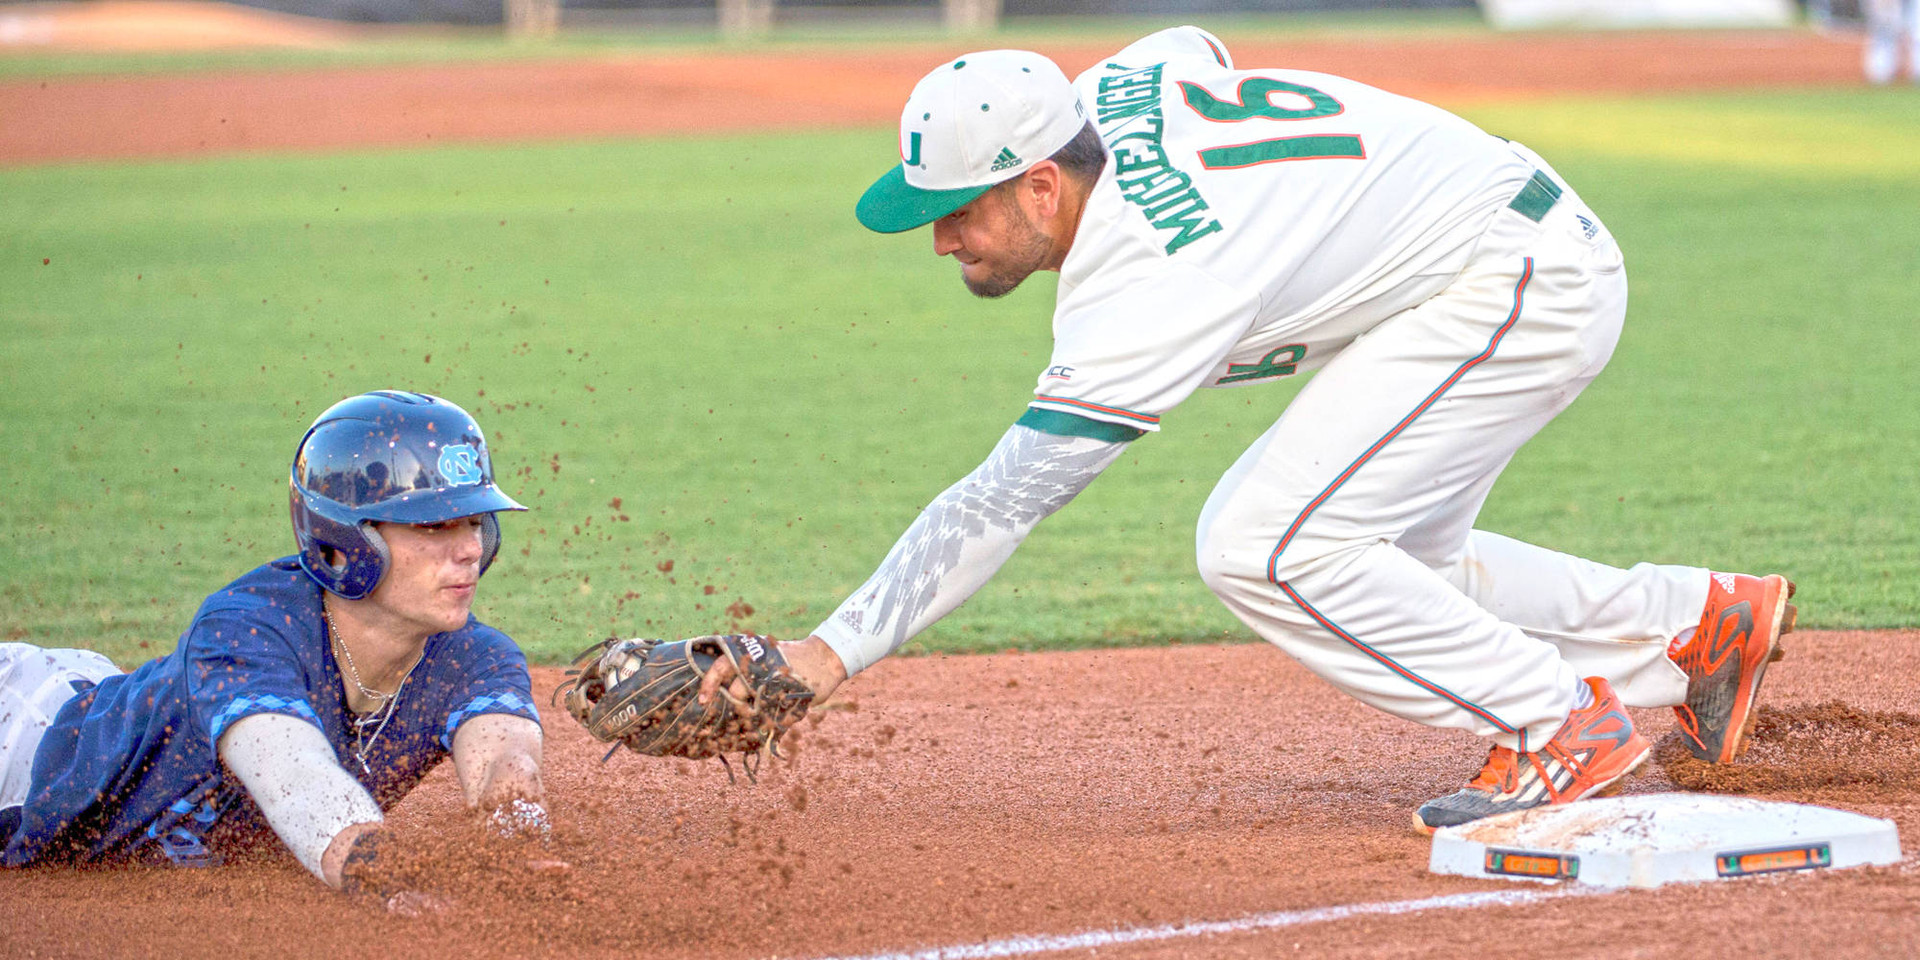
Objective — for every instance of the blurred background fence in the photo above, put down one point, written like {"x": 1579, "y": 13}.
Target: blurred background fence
{"x": 748, "y": 17}
{"x": 693, "y": 11}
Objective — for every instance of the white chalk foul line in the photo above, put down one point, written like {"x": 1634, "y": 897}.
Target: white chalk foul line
{"x": 1023, "y": 946}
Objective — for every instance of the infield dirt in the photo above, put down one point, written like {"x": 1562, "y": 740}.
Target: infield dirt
{"x": 946, "y": 800}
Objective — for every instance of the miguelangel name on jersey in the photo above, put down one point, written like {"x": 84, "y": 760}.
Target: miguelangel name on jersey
{"x": 1165, "y": 194}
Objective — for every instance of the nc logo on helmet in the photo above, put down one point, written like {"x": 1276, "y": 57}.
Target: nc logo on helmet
{"x": 460, "y": 464}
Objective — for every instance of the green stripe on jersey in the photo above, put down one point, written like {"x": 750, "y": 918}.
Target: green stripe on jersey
{"x": 1073, "y": 425}
{"x": 1312, "y": 147}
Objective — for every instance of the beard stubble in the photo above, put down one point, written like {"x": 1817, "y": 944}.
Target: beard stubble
{"x": 1027, "y": 250}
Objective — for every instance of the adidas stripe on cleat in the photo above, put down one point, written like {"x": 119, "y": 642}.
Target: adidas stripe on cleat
{"x": 1596, "y": 748}
{"x": 1727, "y": 657}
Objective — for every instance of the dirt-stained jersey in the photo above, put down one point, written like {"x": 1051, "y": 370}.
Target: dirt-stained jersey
{"x": 1250, "y": 223}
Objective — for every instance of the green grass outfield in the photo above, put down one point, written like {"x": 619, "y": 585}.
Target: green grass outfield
{"x": 699, "y": 330}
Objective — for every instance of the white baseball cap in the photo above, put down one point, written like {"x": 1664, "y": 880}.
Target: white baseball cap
{"x": 972, "y": 123}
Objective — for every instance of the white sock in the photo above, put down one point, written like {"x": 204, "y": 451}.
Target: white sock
{"x": 1584, "y": 698}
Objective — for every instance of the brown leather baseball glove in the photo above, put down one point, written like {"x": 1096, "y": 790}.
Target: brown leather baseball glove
{"x": 642, "y": 693}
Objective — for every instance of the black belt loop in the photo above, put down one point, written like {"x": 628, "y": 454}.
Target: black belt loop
{"x": 1537, "y": 197}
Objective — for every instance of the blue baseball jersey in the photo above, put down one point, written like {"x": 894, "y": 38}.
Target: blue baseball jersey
{"x": 128, "y": 770}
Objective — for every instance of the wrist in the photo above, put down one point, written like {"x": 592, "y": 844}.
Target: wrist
{"x": 855, "y": 651}
{"x": 815, "y": 664}
{"x": 333, "y": 860}
{"x": 365, "y": 866}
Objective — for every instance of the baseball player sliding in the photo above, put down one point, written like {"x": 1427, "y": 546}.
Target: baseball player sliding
{"x": 308, "y": 695}
{"x": 1220, "y": 227}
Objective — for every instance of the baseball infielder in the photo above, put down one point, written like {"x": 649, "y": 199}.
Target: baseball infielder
{"x": 1220, "y": 227}
{"x": 308, "y": 695}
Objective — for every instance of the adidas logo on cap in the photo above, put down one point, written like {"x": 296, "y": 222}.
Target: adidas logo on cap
{"x": 1004, "y": 160}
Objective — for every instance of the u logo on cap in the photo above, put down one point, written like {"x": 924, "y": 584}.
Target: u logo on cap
{"x": 913, "y": 144}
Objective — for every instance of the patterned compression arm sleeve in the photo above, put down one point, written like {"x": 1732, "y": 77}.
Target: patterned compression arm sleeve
{"x": 961, "y": 539}
{"x": 291, "y": 771}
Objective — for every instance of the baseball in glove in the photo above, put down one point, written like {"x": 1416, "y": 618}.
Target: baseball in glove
{"x": 643, "y": 693}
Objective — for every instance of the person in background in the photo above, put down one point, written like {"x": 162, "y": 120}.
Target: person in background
{"x": 1893, "y": 26}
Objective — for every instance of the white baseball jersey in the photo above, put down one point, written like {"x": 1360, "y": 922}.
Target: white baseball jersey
{"x": 1253, "y": 222}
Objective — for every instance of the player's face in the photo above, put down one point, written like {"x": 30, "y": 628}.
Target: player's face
{"x": 432, "y": 574}
{"x": 997, "y": 243}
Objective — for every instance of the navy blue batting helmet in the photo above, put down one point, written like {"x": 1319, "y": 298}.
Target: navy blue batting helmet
{"x": 394, "y": 457}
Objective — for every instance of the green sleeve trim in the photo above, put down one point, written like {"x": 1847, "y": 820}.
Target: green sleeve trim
{"x": 1072, "y": 425}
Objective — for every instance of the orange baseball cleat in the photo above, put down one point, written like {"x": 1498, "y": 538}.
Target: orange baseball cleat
{"x": 1725, "y": 659}
{"x": 1595, "y": 749}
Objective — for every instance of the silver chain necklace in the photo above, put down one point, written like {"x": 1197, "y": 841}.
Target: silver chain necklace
{"x": 377, "y": 717}
{"x": 353, "y": 672}
{"x": 362, "y": 740}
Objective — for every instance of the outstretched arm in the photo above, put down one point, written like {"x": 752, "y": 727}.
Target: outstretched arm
{"x": 955, "y": 546}
{"x": 315, "y": 806}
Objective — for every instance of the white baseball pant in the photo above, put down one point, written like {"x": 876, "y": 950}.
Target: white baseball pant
{"x": 34, "y": 684}
{"x": 1345, "y": 534}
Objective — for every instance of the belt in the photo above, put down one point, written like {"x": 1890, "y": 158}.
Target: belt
{"x": 1537, "y": 197}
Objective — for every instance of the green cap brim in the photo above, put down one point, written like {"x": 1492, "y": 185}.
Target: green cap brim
{"x": 892, "y": 205}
